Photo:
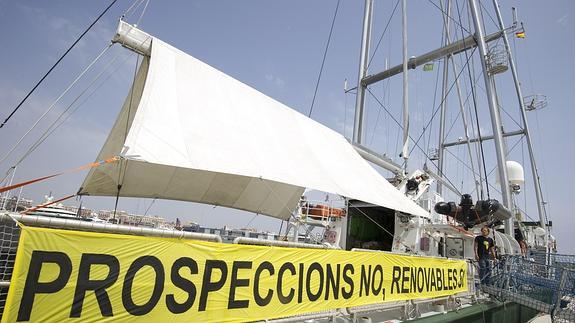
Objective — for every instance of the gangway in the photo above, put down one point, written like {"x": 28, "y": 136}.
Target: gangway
{"x": 544, "y": 282}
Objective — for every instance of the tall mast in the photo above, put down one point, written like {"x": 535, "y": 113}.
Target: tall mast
{"x": 441, "y": 148}
{"x": 363, "y": 59}
{"x": 478, "y": 183}
{"x": 405, "y": 149}
{"x": 494, "y": 112}
{"x": 538, "y": 194}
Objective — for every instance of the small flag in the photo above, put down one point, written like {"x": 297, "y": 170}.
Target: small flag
{"x": 428, "y": 67}
{"x": 520, "y": 34}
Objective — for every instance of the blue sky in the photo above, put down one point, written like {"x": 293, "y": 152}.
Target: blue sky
{"x": 277, "y": 48}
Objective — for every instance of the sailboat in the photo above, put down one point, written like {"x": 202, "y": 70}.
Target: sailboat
{"x": 189, "y": 132}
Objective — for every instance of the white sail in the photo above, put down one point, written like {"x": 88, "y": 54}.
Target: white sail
{"x": 199, "y": 135}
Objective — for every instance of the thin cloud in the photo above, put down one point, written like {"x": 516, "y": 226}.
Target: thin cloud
{"x": 276, "y": 80}
{"x": 563, "y": 20}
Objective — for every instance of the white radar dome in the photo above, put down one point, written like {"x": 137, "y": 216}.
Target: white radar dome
{"x": 515, "y": 173}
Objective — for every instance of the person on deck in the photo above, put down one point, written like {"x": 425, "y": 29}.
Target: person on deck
{"x": 521, "y": 240}
{"x": 484, "y": 251}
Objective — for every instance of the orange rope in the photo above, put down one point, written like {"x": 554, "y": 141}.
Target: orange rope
{"x": 91, "y": 165}
{"x": 11, "y": 187}
{"x": 46, "y": 204}
{"x": 462, "y": 230}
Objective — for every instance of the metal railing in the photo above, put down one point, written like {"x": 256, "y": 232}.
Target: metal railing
{"x": 9, "y": 235}
{"x": 546, "y": 288}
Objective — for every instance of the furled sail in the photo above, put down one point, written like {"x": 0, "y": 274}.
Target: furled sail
{"x": 196, "y": 134}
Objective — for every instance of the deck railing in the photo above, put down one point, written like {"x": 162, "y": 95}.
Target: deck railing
{"x": 549, "y": 288}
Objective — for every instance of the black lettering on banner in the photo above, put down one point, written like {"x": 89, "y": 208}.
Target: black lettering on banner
{"x": 455, "y": 279}
{"x": 128, "y": 301}
{"x": 395, "y": 277}
{"x": 314, "y": 267}
{"x": 281, "y": 296}
{"x": 432, "y": 285}
{"x": 438, "y": 273}
{"x": 364, "y": 280}
{"x": 420, "y": 279}
{"x": 461, "y": 277}
{"x": 183, "y": 284}
{"x": 428, "y": 276}
{"x": 208, "y": 285}
{"x": 347, "y": 294}
{"x": 262, "y": 301}
{"x": 332, "y": 281}
{"x": 235, "y": 283}
{"x": 413, "y": 279}
{"x": 404, "y": 279}
{"x": 33, "y": 286}
{"x": 84, "y": 283}
{"x": 376, "y": 290}
{"x": 300, "y": 283}
{"x": 449, "y": 280}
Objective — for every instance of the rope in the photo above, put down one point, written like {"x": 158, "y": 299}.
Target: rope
{"x": 416, "y": 143}
{"x": 448, "y": 16}
{"x": 122, "y": 174}
{"x": 438, "y": 106}
{"x": 323, "y": 59}
{"x": 32, "y": 209}
{"x": 135, "y": 4}
{"x": 383, "y": 33}
{"x": 73, "y": 170}
{"x": 476, "y": 113}
{"x": 56, "y": 64}
{"x": 56, "y": 101}
{"x": 61, "y": 121}
{"x": 143, "y": 12}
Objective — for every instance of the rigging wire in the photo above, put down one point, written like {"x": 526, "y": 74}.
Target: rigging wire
{"x": 134, "y": 6}
{"x": 416, "y": 143}
{"x": 475, "y": 108}
{"x": 383, "y": 33}
{"x": 142, "y": 14}
{"x": 473, "y": 86}
{"x": 488, "y": 14}
{"x": 59, "y": 121}
{"x": 56, "y": 64}
{"x": 434, "y": 102}
{"x": 123, "y": 161}
{"x": 439, "y": 105}
{"x": 523, "y": 163}
{"x": 446, "y": 15}
{"x": 56, "y": 101}
{"x": 150, "y": 206}
{"x": 323, "y": 59}
{"x": 544, "y": 204}
{"x": 376, "y": 223}
{"x": 495, "y": 167}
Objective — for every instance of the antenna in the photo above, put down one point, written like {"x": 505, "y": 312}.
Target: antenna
{"x": 514, "y": 13}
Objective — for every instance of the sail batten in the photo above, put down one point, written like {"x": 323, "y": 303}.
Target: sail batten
{"x": 200, "y": 135}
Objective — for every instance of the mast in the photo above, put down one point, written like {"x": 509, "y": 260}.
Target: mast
{"x": 494, "y": 112}
{"x": 363, "y": 59}
{"x": 478, "y": 183}
{"x": 536, "y": 182}
{"x": 405, "y": 149}
{"x": 443, "y": 100}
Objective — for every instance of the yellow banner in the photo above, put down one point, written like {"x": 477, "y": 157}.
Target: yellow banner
{"x": 65, "y": 275}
